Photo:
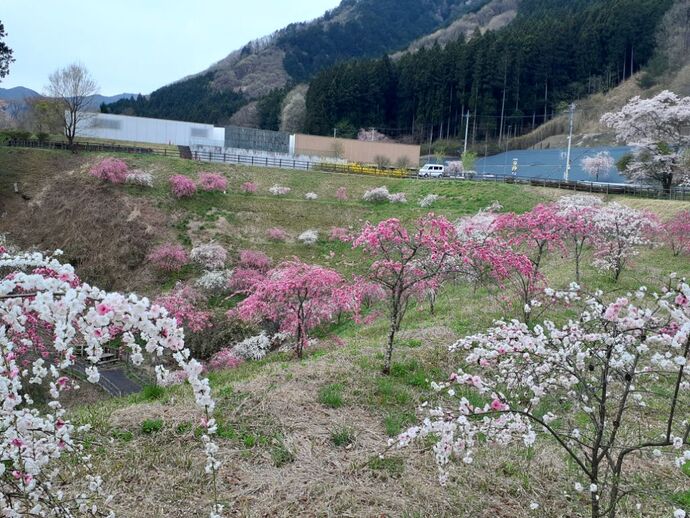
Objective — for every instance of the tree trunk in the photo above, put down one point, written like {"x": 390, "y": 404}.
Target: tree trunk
{"x": 394, "y": 325}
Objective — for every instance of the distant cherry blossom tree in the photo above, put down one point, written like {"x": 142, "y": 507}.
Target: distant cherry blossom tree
{"x": 658, "y": 130}
{"x": 598, "y": 165}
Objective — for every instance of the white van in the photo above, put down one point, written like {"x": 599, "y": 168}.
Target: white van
{"x": 432, "y": 170}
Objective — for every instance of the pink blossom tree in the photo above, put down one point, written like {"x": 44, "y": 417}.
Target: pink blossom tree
{"x": 341, "y": 194}
{"x": 213, "y": 182}
{"x": 111, "y": 170}
{"x": 407, "y": 261}
{"x": 534, "y": 233}
{"x": 619, "y": 232}
{"x": 251, "y": 267}
{"x": 169, "y": 257}
{"x": 297, "y": 297}
{"x": 676, "y": 233}
{"x": 183, "y": 304}
{"x": 249, "y": 187}
{"x": 181, "y": 186}
{"x": 577, "y": 219}
{"x": 598, "y": 165}
{"x": 657, "y": 129}
{"x": 39, "y": 442}
{"x": 589, "y": 385}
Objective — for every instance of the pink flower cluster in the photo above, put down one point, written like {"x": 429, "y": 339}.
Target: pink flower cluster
{"x": 276, "y": 234}
{"x": 183, "y": 305}
{"x": 340, "y": 234}
{"x": 676, "y": 233}
{"x": 182, "y": 186}
{"x": 249, "y": 187}
{"x": 224, "y": 359}
{"x": 169, "y": 257}
{"x": 111, "y": 170}
{"x": 211, "y": 182}
{"x": 250, "y": 269}
{"x": 341, "y": 194}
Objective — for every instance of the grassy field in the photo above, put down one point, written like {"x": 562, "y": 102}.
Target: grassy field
{"x": 306, "y": 438}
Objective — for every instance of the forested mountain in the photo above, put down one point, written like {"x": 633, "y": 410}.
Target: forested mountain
{"x": 354, "y": 29}
{"x": 509, "y": 80}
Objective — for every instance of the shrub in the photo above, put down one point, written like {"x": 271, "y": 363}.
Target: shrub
{"x": 276, "y": 234}
{"x": 377, "y": 195}
{"x": 249, "y": 187}
{"x": 211, "y": 182}
{"x": 251, "y": 268}
{"x": 311, "y": 196}
{"x": 341, "y": 194}
{"x": 428, "y": 201}
{"x": 214, "y": 282}
{"x": 210, "y": 255}
{"x": 254, "y": 259}
{"x": 139, "y": 178}
{"x": 224, "y": 359}
{"x": 181, "y": 186}
{"x": 253, "y": 348}
{"x": 279, "y": 190}
{"x": 398, "y": 197}
{"x": 340, "y": 234}
{"x": 182, "y": 304}
{"x": 309, "y": 237}
{"x": 111, "y": 170}
{"x": 169, "y": 257}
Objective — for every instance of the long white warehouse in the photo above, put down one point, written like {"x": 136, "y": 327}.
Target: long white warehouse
{"x": 155, "y": 131}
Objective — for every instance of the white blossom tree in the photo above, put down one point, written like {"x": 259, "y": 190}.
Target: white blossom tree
{"x": 588, "y": 384}
{"x": 598, "y": 165}
{"x": 658, "y": 130}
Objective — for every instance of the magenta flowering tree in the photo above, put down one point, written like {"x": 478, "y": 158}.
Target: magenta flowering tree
{"x": 212, "y": 182}
{"x": 676, "y": 233}
{"x": 297, "y": 297}
{"x": 251, "y": 267}
{"x": 407, "y": 262}
{"x": 276, "y": 234}
{"x": 577, "y": 219}
{"x": 181, "y": 186}
{"x": 341, "y": 194}
{"x": 339, "y": 234}
{"x": 589, "y": 385}
{"x": 620, "y": 231}
{"x": 111, "y": 170}
{"x": 39, "y": 444}
{"x": 169, "y": 257}
{"x": 534, "y": 233}
{"x": 183, "y": 304}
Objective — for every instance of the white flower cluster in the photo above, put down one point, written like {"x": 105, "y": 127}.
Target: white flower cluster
{"x": 211, "y": 256}
{"x": 428, "y": 200}
{"x": 311, "y": 196}
{"x": 279, "y": 190}
{"x": 32, "y": 438}
{"x": 309, "y": 237}
{"x": 381, "y": 194}
{"x": 214, "y": 281}
{"x": 253, "y": 348}
{"x": 140, "y": 178}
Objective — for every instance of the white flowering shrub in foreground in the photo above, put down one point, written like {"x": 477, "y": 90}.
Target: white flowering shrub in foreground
{"x": 42, "y": 302}
{"x": 211, "y": 256}
{"x": 309, "y": 237}
{"x": 140, "y": 178}
{"x": 377, "y": 195}
{"x": 214, "y": 282}
{"x": 253, "y": 348}
{"x": 609, "y": 387}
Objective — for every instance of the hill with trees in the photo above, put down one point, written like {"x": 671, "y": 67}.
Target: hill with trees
{"x": 510, "y": 80}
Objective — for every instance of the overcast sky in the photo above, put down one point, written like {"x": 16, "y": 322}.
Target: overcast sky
{"x": 137, "y": 45}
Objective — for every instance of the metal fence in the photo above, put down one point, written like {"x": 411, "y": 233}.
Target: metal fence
{"x": 681, "y": 194}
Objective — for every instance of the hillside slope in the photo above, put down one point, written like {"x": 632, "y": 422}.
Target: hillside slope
{"x": 354, "y": 29}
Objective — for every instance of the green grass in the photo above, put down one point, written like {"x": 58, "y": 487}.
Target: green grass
{"x": 152, "y": 392}
{"x": 331, "y": 395}
{"x": 342, "y": 436}
{"x": 151, "y": 426}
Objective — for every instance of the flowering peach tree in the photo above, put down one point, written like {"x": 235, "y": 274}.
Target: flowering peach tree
{"x": 39, "y": 445}
{"x": 619, "y": 232}
{"x": 676, "y": 233}
{"x": 111, "y": 170}
{"x": 576, "y": 218}
{"x": 407, "y": 263}
{"x": 297, "y": 297}
{"x": 589, "y": 384}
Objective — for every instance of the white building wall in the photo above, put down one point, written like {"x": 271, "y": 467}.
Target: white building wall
{"x": 140, "y": 129}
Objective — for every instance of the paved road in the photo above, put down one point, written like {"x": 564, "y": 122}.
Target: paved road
{"x": 113, "y": 380}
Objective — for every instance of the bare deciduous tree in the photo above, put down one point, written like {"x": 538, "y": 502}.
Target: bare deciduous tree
{"x": 72, "y": 86}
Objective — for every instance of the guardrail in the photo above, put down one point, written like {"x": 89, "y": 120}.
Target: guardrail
{"x": 682, "y": 194}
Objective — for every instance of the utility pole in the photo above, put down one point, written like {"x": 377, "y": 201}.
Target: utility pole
{"x": 335, "y": 132}
{"x": 566, "y": 176}
{"x": 467, "y": 129}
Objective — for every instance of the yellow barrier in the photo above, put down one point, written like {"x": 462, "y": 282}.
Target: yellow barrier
{"x": 363, "y": 169}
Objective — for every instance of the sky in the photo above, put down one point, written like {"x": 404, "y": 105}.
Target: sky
{"x": 136, "y": 46}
